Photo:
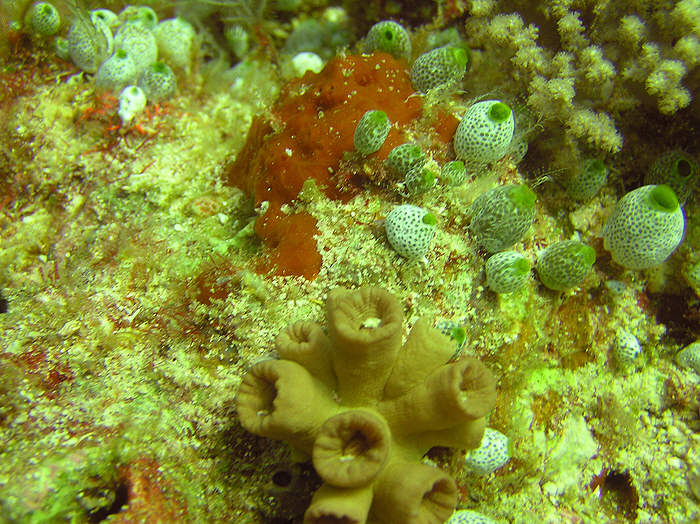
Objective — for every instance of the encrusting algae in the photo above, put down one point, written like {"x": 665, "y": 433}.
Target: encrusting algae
{"x": 215, "y": 308}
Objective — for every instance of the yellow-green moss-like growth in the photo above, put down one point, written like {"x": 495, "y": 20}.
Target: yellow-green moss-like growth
{"x": 366, "y": 409}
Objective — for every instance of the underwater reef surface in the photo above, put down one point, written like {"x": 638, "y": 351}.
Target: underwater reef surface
{"x": 150, "y": 257}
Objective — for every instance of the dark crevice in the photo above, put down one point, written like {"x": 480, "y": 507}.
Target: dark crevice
{"x": 121, "y": 499}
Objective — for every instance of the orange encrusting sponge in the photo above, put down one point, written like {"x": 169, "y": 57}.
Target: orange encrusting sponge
{"x": 306, "y": 136}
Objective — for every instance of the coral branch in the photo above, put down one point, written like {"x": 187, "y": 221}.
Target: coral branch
{"x": 365, "y": 328}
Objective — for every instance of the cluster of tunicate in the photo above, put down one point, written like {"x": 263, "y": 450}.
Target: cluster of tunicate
{"x": 645, "y": 227}
{"x": 90, "y": 42}
{"x": 175, "y": 38}
{"x": 456, "y": 333}
{"x": 322, "y": 36}
{"x": 158, "y": 82}
{"x": 311, "y": 43}
{"x": 501, "y": 216}
{"x": 564, "y": 265}
{"x": 139, "y": 42}
{"x": 405, "y": 157}
{"x": 419, "y": 180}
{"x": 123, "y": 49}
{"x": 139, "y": 15}
{"x": 454, "y": 173}
{"x": 110, "y": 18}
{"x": 117, "y": 72}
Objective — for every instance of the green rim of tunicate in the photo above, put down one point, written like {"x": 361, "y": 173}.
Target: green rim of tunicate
{"x": 585, "y": 253}
{"x": 388, "y": 33}
{"x": 683, "y": 168}
{"x": 159, "y": 67}
{"x": 377, "y": 117}
{"x": 663, "y": 199}
{"x": 120, "y": 53}
{"x": 460, "y": 55}
{"x": 522, "y": 197}
{"x": 499, "y": 112}
{"x": 144, "y": 14}
{"x": 596, "y": 165}
{"x": 459, "y": 335}
{"x": 429, "y": 178}
{"x": 429, "y": 219}
{"x": 521, "y": 265}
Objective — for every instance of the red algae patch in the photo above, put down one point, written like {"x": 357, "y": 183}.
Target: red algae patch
{"x": 306, "y": 136}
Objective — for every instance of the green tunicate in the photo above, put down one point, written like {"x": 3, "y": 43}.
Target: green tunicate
{"x": 158, "y": 82}
{"x": 454, "y": 173}
{"x": 143, "y": 16}
{"x": 457, "y": 334}
{"x": 44, "y": 19}
{"x": 389, "y": 37}
{"x": 409, "y": 230}
{"x": 506, "y": 271}
{"x": 586, "y": 184}
{"x": 405, "y": 157}
{"x": 419, "y": 180}
{"x": 645, "y": 227}
{"x": 676, "y": 169}
{"x": 442, "y": 68}
{"x": 501, "y": 216}
{"x": 479, "y": 139}
{"x": 371, "y": 132}
{"x": 565, "y": 264}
